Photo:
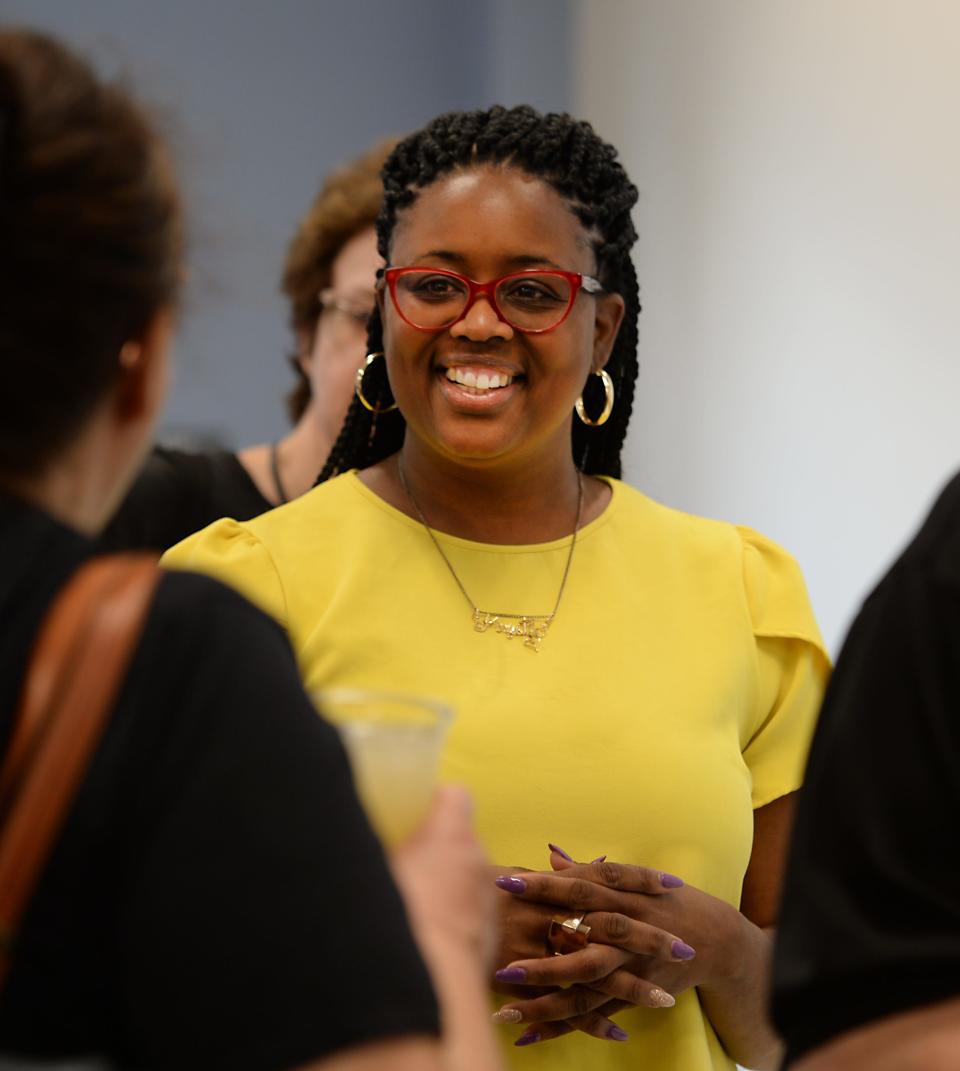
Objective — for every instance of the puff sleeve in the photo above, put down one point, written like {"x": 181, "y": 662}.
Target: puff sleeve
{"x": 229, "y": 551}
{"x": 792, "y": 669}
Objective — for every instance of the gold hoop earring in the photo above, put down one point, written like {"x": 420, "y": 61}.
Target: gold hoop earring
{"x": 358, "y": 388}
{"x": 607, "y": 405}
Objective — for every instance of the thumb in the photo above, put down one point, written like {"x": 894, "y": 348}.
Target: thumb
{"x": 450, "y": 812}
{"x": 560, "y": 861}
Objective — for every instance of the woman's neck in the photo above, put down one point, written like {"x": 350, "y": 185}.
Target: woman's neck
{"x": 532, "y": 503}
{"x": 81, "y": 487}
{"x": 300, "y": 457}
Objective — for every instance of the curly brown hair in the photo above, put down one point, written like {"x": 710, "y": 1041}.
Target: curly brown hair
{"x": 91, "y": 241}
{"x": 348, "y": 202}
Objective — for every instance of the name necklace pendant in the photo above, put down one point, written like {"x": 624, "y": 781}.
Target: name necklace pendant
{"x": 530, "y": 628}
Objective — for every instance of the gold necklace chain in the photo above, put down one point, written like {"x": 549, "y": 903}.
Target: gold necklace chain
{"x": 531, "y": 628}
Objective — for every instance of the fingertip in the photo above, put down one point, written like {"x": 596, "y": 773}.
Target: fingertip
{"x": 511, "y": 1016}
{"x": 671, "y": 881}
{"x": 457, "y": 796}
{"x": 660, "y": 998}
{"x": 681, "y": 950}
{"x": 530, "y": 1038}
{"x": 510, "y": 883}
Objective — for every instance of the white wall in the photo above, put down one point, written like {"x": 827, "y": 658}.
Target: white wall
{"x": 799, "y": 218}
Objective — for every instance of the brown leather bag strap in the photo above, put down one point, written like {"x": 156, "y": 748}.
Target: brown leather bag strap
{"x": 78, "y": 664}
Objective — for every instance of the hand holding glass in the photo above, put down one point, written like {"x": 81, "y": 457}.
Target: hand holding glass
{"x": 394, "y": 743}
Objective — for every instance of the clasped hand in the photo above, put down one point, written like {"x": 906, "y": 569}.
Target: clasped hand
{"x": 651, "y": 938}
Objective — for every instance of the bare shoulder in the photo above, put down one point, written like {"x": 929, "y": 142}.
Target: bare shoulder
{"x": 256, "y": 460}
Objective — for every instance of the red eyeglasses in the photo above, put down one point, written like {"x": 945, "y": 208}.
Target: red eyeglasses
{"x": 532, "y": 301}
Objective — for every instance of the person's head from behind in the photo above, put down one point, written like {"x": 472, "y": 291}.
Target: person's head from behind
{"x": 90, "y": 263}
{"x": 328, "y": 279}
{"x": 484, "y": 197}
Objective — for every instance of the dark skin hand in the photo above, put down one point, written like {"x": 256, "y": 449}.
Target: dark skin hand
{"x": 616, "y": 970}
{"x": 526, "y": 916}
{"x": 627, "y": 960}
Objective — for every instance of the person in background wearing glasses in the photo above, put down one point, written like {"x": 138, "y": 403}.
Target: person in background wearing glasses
{"x": 216, "y": 895}
{"x": 328, "y": 280}
{"x": 629, "y": 681}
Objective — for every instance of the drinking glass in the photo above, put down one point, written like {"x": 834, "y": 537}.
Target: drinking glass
{"x": 394, "y": 743}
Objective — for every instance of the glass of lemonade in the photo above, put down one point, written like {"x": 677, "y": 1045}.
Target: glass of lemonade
{"x": 394, "y": 743}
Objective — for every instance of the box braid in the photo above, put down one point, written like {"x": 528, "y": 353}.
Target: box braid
{"x": 567, "y": 154}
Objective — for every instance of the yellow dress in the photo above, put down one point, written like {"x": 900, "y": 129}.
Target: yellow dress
{"x": 675, "y": 691}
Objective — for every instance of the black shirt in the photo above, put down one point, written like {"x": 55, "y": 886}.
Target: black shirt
{"x": 870, "y": 923}
{"x": 178, "y": 493}
{"x": 217, "y": 898}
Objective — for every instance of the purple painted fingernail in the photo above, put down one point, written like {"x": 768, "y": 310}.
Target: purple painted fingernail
{"x": 669, "y": 881}
{"x": 616, "y": 1034}
{"x": 509, "y": 884}
{"x": 560, "y": 851}
{"x": 599, "y": 859}
{"x": 681, "y": 950}
{"x": 528, "y": 1039}
{"x": 511, "y": 974}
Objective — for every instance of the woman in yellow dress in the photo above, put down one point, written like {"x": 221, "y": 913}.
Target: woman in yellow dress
{"x": 630, "y": 681}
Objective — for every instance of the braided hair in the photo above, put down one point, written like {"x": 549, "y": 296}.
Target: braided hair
{"x": 569, "y": 156}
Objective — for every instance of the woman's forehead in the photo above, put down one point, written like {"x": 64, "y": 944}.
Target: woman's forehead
{"x": 490, "y": 211}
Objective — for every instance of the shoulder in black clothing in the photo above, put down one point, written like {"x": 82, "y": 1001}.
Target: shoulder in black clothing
{"x": 217, "y": 898}
{"x": 936, "y": 547}
{"x": 870, "y": 923}
{"x": 177, "y": 493}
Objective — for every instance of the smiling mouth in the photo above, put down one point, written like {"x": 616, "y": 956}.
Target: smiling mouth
{"x": 478, "y": 382}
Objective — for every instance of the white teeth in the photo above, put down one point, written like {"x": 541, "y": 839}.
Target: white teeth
{"x": 483, "y": 381}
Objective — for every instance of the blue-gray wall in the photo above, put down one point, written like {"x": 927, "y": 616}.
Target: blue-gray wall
{"x": 260, "y": 101}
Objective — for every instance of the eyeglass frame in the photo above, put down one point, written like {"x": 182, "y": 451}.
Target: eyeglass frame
{"x": 577, "y": 280}
{"x": 328, "y": 300}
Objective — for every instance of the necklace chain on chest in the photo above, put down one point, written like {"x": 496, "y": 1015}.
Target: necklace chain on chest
{"x": 531, "y": 628}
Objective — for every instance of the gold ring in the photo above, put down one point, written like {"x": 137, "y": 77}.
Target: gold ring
{"x": 567, "y": 935}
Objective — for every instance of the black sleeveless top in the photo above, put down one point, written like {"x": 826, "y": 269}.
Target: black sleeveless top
{"x": 178, "y": 493}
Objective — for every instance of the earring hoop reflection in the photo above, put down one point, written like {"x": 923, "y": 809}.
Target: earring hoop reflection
{"x": 358, "y": 388}
{"x": 609, "y": 397}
